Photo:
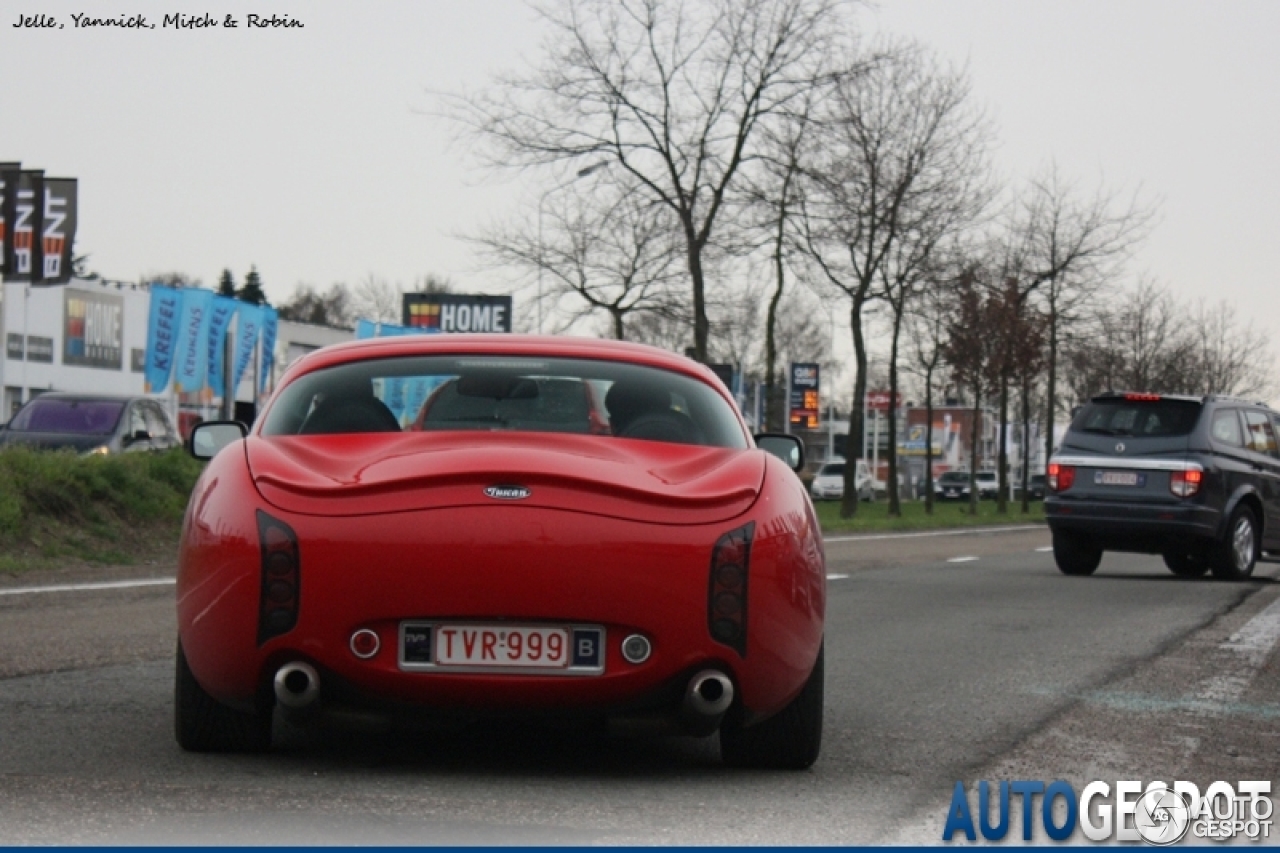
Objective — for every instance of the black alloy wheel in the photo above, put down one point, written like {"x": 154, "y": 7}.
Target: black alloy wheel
{"x": 1235, "y": 555}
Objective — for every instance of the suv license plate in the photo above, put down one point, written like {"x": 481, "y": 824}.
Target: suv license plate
{"x": 1119, "y": 478}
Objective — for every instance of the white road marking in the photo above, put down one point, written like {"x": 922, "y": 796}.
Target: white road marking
{"x": 960, "y": 531}
{"x": 962, "y": 559}
{"x": 1249, "y": 648}
{"x": 1044, "y": 550}
{"x": 837, "y": 577}
{"x": 84, "y": 587}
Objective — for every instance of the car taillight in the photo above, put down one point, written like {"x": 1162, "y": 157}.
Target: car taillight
{"x": 1184, "y": 484}
{"x": 1061, "y": 476}
{"x": 278, "y": 602}
{"x": 727, "y": 590}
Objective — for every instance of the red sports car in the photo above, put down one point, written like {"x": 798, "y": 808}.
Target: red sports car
{"x": 497, "y": 524}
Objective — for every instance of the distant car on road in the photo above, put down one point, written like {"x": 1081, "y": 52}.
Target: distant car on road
{"x": 988, "y": 485}
{"x": 951, "y": 486}
{"x": 1193, "y": 479}
{"x": 91, "y": 424}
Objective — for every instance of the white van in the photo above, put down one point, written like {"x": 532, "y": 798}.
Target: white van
{"x": 829, "y": 482}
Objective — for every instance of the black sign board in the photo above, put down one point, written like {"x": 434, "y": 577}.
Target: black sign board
{"x": 39, "y": 349}
{"x": 804, "y": 405}
{"x": 455, "y": 312}
{"x": 8, "y": 184}
{"x": 58, "y": 232}
{"x": 13, "y": 348}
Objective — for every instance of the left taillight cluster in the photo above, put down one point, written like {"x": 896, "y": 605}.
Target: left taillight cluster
{"x": 727, "y": 591}
{"x": 281, "y": 578}
{"x": 1060, "y": 477}
{"x": 1184, "y": 484}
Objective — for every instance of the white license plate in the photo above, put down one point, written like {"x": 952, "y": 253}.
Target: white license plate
{"x": 1118, "y": 478}
{"x": 488, "y": 647}
{"x": 501, "y": 645}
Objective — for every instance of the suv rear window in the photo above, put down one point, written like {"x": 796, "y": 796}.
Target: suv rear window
{"x": 1149, "y": 418}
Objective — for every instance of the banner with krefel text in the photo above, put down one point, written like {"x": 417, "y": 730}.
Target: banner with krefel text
{"x": 186, "y": 339}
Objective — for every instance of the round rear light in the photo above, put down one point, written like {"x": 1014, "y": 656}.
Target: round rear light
{"x": 636, "y": 648}
{"x": 365, "y": 643}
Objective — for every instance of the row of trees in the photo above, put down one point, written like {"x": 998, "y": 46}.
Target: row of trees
{"x": 690, "y": 146}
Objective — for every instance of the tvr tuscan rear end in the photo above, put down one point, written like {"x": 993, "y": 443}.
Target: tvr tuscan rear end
{"x": 454, "y": 525}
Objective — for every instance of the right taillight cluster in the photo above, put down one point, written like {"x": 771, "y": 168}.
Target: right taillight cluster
{"x": 727, "y": 593}
{"x": 1184, "y": 484}
{"x": 1061, "y": 477}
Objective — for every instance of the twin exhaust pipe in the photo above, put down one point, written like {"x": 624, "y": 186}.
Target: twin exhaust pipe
{"x": 706, "y": 698}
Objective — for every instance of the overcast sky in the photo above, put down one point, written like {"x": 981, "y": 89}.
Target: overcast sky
{"x": 312, "y": 152}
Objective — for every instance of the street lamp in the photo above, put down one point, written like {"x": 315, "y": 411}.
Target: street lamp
{"x": 581, "y": 173}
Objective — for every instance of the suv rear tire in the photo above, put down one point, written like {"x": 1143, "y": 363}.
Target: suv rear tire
{"x": 1186, "y": 564}
{"x": 1234, "y": 557}
{"x": 1074, "y": 554}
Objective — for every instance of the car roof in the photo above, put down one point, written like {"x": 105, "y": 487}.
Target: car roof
{"x": 500, "y": 344}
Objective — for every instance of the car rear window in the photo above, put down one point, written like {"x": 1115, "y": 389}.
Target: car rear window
{"x": 835, "y": 469}
{"x": 954, "y": 477}
{"x": 1138, "y": 418}
{"x": 506, "y": 393}
{"x": 75, "y": 417}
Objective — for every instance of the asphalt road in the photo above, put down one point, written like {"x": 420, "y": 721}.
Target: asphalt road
{"x": 950, "y": 658}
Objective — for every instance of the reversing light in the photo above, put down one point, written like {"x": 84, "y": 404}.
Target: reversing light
{"x": 365, "y": 643}
{"x": 727, "y": 589}
{"x": 1184, "y": 484}
{"x": 281, "y": 578}
{"x": 1060, "y": 477}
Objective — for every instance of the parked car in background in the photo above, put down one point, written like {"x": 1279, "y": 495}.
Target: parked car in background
{"x": 91, "y": 423}
{"x": 1193, "y": 479}
{"x": 951, "y": 486}
{"x": 828, "y": 484}
{"x": 988, "y": 485}
{"x": 1035, "y": 488}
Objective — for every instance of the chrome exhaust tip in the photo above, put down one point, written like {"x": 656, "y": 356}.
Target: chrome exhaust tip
{"x": 297, "y": 685}
{"x": 709, "y": 694}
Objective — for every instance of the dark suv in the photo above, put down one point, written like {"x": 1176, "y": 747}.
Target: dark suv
{"x": 1196, "y": 479}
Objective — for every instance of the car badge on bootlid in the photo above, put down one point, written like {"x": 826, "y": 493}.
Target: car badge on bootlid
{"x": 507, "y": 493}
{"x": 1120, "y": 447}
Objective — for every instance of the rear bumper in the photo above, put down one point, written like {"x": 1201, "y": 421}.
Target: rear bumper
{"x": 1137, "y": 527}
{"x": 509, "y": 565}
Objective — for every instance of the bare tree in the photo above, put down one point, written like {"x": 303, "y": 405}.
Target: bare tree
{"x": 898, "y": 167}
{"x": 1066, "y": 247}
{"x": 1230, "y": 358}
{"x": 607, "y": 250}
{"x": 972, "y": 352}
{"x": 673, "y": 92}
{"x": 928, "y": 326}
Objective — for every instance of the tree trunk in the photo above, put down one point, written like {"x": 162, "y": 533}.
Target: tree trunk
{"x": 1051, "y": 375}
{"x": 857, "y": 421}
{"x": 973, "y": 453}
{"x": 895, "y": 501}
{"x": 1002, "y": 499}
{"x": 928, "y": 442}
{"x": 771, "y": 321}
{"x": 1026, "y": 445}
{"x": 619, "y": 332}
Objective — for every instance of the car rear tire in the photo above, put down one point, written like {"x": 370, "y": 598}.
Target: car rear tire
{"x": 789, "y": 740}
{"x": 203, "y": 724}
{"x": 1186, "y": 564}
{"x": 1234, "y": 557}
{"x": 1074, "y": 554}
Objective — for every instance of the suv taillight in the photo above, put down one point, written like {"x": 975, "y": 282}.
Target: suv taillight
{"x": 1184, "y": 484}
{"x": 1061, "y": 477}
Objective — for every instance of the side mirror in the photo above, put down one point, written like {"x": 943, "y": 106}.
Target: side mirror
{"x": 788, "y": 448}
{"x": 211, "y": 436}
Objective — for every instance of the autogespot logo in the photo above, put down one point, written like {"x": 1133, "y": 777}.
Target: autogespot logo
{"x": 1158, "y": 814}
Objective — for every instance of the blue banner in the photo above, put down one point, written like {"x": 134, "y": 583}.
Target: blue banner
{"x": 248, "y": 326}
{"x": 220, "y": 314}
{"x": 270, "y": 319}
{"x": 190, "y": 355}
{"x": 162, "y": 336}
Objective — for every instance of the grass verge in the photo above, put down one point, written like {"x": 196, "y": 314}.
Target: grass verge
{"x": 874, "y": 516}
{"x": 59, "y": 508}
